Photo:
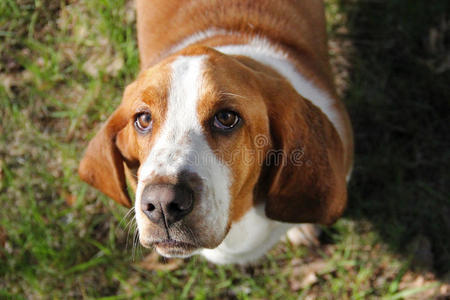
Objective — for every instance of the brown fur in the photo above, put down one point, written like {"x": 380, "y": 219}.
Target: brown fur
{"x": 118, "y": 143}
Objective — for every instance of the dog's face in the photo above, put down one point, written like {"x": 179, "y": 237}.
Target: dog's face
{"x": 199, "y": 129}
{"x": 199, "y": 147}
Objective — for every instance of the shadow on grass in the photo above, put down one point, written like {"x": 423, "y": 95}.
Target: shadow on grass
{"x": 399, "y": 102}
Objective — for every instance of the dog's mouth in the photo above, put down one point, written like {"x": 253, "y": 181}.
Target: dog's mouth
{"x": 173, "y": 248}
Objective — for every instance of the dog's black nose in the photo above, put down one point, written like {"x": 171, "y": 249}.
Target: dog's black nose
{"x": 165, "y": 204}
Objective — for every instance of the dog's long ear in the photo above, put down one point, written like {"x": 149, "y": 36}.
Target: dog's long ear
{"x": 306, "y": 176}
{"x": 103, "y": 163}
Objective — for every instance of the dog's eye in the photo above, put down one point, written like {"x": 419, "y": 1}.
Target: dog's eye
{"x": 226, "y": 120}
{"x": 143, "y": 122}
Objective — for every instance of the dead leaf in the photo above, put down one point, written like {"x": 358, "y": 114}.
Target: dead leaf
{"x": 308, "y": 280}
{"x": 70, "y": 199}
{"x": 115, "y": 65}
{"x": 305, "y": 235}
{"x": 153, "y": 262}
{"x": 2, "y": 237}
{"x": 313, "y": 267}
{"x": 1, "y": 169}
{"x": 306, "y": 275}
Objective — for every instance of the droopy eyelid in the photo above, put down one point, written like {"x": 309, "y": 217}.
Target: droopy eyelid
{"x": 142, "y": 109}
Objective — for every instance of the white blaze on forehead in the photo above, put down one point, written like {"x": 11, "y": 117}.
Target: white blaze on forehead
{"x": 182, "y": 146}
{"x": 181, "y": 132}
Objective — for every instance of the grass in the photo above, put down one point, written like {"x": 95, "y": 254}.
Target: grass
{"x": 63, "y": 66}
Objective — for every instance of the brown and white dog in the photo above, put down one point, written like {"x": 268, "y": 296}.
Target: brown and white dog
{"x": 231, "y": 133}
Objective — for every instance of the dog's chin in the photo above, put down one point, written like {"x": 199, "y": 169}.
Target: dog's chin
{"x": 172, "y": 248}
{"x": 179, "y": 244}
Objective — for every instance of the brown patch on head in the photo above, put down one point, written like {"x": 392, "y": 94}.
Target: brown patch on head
{"x": 118, "y": 142}
{"x": 152, "y": 87}
{"x": 306, "y": 182}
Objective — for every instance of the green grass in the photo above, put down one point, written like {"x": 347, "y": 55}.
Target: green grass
{"x": 63, "y": 66}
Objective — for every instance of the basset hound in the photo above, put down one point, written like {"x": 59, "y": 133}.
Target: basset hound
{"x": 232, "y": 133}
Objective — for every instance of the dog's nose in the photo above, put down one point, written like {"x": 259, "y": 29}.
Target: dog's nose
{"x": 165, "y": 204}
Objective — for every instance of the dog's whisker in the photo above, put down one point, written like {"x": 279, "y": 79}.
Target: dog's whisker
{"x": 192, "y": 235}
{"x": 132, "y": 225}
{"x": 139, "y": 246}
{"x": 140, "y": 249}
{"x": 131, "y": 221}
{"x": 127, "y": 215}
{"x": 136, "y": 244}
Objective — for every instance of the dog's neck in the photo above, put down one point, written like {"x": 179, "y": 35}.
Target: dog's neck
{"x": 248, "y": 239}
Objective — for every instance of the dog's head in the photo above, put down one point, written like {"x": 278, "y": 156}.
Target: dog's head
{"x": 209, "y": 135}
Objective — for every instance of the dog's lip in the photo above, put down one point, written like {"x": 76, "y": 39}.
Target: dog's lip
{"x": 170, "y": 243}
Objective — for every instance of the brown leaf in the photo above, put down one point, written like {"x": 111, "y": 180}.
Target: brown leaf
{"x": 70, "y": 199}
{"x": 314, "y": 267}
{"x": 1, "y": 168}
{"x": 306, "y": 275}
{"x": 2, "y": 237}
{"x": 305, "y": 234}
{"x": 307, "y": 280}
{"x": 154, "y": 262}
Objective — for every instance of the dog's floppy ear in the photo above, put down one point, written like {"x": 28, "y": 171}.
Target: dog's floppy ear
{"x": 306, "y": 177}
{"x": 103, "y": 163}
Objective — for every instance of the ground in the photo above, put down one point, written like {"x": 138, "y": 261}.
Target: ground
{"x": 63, "y": 67}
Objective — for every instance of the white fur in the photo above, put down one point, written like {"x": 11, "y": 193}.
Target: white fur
{"x": 182, "y": 146}
{"x": 199, "y": 36}
{"x": 248, "y": 239}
